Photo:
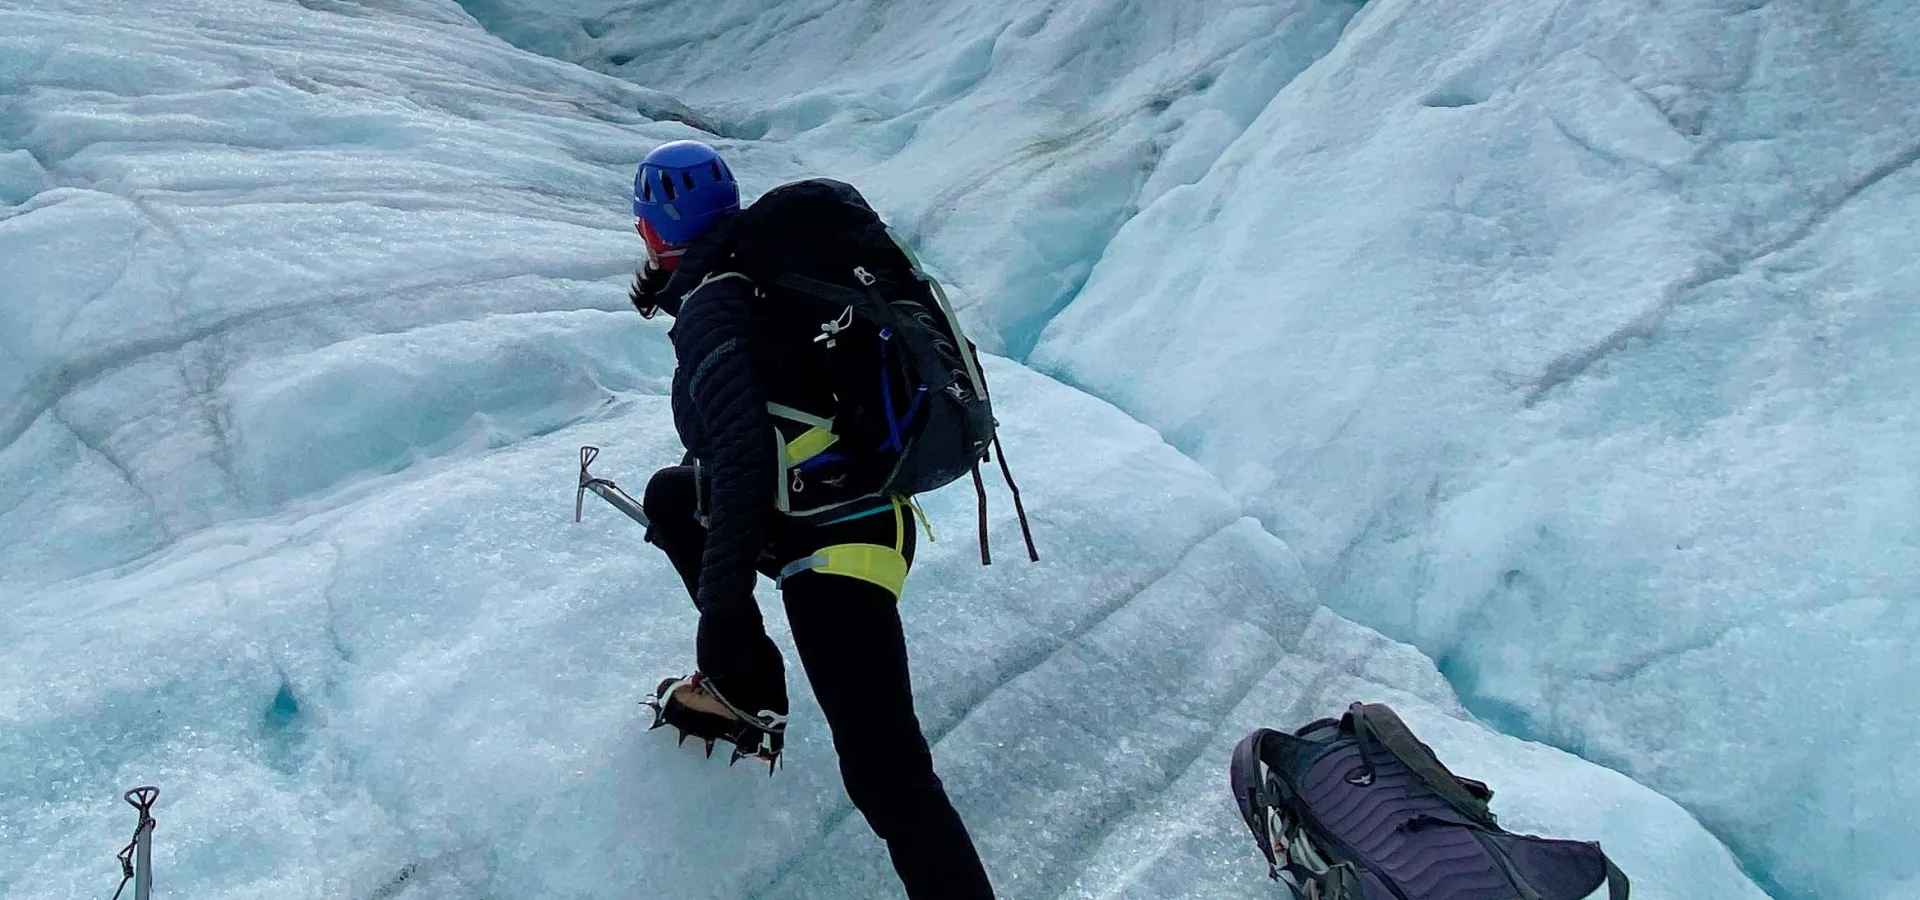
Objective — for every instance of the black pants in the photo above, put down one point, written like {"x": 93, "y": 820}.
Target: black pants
{"x": 848, "y": 634}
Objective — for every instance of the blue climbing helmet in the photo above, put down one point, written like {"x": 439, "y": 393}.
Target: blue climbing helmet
{"x": 682, "y": 190}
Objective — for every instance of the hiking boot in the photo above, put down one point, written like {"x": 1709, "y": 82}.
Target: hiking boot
{"x": 693, "y": 706}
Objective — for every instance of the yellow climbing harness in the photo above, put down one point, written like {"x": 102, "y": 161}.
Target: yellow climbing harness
{"x": 871, "y": 563}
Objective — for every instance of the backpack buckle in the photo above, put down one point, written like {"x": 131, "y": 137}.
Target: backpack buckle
{"x": 866, "y": 277}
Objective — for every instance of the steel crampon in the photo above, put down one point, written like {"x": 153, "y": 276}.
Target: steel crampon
{"x": 756, "y": 737}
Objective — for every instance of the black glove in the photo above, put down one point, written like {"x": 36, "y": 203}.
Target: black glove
{"x": 743, "y": 664}
{"x": 647, "y": 284}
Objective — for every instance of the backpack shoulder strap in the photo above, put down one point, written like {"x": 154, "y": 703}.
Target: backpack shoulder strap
{"x": 1379, "y": 724}
{"x": 710, "y": 278}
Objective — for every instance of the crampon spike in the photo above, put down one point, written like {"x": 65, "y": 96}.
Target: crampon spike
{"x": 683, "y": 738}
{"x": 709, "y": 748}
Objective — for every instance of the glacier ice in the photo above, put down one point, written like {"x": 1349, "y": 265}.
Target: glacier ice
{"x": 308, "y": 306}
{"x": 1048, "y": 125}
{"x": 1597, "y": 398}
{"x": 1581, "y": 324}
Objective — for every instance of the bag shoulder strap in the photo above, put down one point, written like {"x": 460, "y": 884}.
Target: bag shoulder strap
{"x": 1377, "y": 723}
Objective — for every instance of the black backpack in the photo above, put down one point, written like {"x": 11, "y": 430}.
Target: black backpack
{"x": 1358, "y": 808}
{"x": 873, "y": 385}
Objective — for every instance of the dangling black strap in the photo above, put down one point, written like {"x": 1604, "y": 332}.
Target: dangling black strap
{"x": 1019, "y": 510}
{"x": 980, "y": 492}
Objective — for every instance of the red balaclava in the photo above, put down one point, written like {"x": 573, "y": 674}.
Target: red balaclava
{"x": 662, "y": 254}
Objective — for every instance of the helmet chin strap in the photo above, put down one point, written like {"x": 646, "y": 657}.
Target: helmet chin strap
{"x": 668, "y": 260}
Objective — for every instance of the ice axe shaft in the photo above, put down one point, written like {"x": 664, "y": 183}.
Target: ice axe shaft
{"x": 136, "y": 861}
{"x": 605, "y": 490}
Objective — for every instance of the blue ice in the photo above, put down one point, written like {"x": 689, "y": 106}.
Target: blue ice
{"x": 307, "y": 308}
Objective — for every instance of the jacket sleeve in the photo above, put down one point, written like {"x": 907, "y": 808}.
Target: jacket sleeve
{"x": 739, "y": 456}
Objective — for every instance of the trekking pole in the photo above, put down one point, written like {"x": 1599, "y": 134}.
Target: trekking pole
{"x": 136, "y": 861}
{"x": 605, "y": 489}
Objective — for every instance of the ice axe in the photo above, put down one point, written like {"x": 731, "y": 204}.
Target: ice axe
{"x": 607, "y": 490}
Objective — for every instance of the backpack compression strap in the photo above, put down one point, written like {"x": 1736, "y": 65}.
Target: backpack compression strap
{"x": 1617, "y": 886}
